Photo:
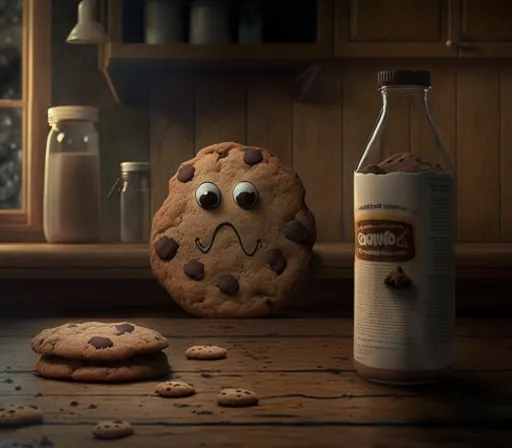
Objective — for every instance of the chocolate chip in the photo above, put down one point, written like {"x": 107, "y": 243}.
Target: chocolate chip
{"x": 8, "y": 380}
{"x": 276, "y": 261}
{"x": 93, "y": 406}
{"x": 166, "y": 248}
{"x": 124, "y": 328}
{"x": 253, "y": 156}
{"x": 186, "y": 173}
{"x": 228, "y": 284}
{"x": 295, "y": 231}
{"x": 74, "y": 403}
{"x": 221, "y": 155}
{"x": 397, "y": 279}
{"x": 99, "y": 342}
{"x": 194, "y": 269}
{"x": 17, "y": 388}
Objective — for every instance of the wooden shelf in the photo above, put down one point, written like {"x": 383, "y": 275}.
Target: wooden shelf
{"x": 111, "y": 261}
{"x": 234, "y": 52}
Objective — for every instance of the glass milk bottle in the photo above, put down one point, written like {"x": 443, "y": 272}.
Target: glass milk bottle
{"x": 71, "y": 202}
{"x": 135, "y": 202}
{"x": 404, "y": 274}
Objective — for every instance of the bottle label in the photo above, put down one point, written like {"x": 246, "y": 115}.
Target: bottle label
{"x": 404, "y": 272}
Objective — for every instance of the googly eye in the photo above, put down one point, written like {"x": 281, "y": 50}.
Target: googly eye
{"x": 245, "y": 194}
{"x": 208, "y": 195}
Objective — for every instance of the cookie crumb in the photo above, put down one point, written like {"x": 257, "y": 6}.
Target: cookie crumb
{"x": 17, "y": 388}
{"x": 8, "y": 381}
{"x": 74, "y": 403}
{"x": 93, "y": 406}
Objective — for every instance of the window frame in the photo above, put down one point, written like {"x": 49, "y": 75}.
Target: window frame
{"x": 26, "y": 224}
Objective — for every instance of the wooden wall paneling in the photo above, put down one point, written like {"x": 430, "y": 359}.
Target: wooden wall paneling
{"x": 317, "y": 152}
{"x": 171, "y": 133}
{"x": 220, "y": 109}
{"x": 506, "y": 154}
{"x": 478, "y": 153}
{"x": 270, "y": 114}
{"x": 361, "y": 105}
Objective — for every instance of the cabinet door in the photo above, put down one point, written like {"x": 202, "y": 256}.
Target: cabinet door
{"x": 483, "y": 28}
{"x": 392, "y": 28}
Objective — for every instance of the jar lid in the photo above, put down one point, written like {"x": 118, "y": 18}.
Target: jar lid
{"x": 61, "y": 113}
{"x": 134, "y": 166}
{"x": 404, "y": 78}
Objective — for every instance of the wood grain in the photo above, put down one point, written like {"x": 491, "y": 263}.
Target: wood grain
{"x": 506, "y": 154}
{"x": 478, "y": 154}
{"x": 273, "y": 354}
{"x": 317, "y": 153}
{"x": 361, "y": 105}
{"x": 219, "y": 110}
{"x": 296, "y": 366}
{"x": 269, "y": 115}
{"x": 165, "y": 434}
{"x": 171, "y": 138}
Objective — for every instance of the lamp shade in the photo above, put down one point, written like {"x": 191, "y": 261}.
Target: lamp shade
{"x": 87, "y": 30}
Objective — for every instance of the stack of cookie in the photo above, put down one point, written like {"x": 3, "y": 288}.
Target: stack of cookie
{"x": 101, "y": 352}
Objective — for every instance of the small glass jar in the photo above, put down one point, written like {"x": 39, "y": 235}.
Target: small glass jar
{"x": 135, "y": 219}
{"x": 72, "y": 199}
{"x": 209, "y": 22}
{"x": 164, "y": 21}
{"x": 250, "y": 24}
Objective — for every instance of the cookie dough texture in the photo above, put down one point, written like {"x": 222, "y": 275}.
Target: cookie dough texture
{"x": 115, "y": 429}
{"x": 234, "y": 237}
{"x": 206, "y": 352}
{"x": 98, "y": 341}
{"x": 136, "y": 368}
{"x": 237, "y": 398}
{"x": 19, "y": 415}
{"x": 401, "y": 162}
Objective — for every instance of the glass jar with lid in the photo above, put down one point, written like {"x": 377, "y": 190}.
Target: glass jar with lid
{"x": 404, "y": 270}
{"x": 135, "y": 207}
{"x": 72, "y": 200}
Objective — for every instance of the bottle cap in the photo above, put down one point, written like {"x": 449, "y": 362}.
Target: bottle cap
{"x": 404, "y": 78}
{"x": 134, "y": 166}
{"x": 61, "y": 113}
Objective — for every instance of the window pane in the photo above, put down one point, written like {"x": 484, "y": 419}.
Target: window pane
{"x": 10, "y": 158}
{"x": 11, "y": 44}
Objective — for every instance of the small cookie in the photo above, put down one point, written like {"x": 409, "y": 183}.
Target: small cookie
{"x": 98, "y": 341}
{"x": 136, "y": 368}
{"x": 19, "y": 415}
{"x": 113, "y": 429}
{"x": 206, "y": 352}
{"x": 175, "y": 389}
{"x": 236, "y": 398}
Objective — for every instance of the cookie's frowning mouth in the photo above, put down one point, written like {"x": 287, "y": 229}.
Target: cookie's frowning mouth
{"x": 205, "y": 249}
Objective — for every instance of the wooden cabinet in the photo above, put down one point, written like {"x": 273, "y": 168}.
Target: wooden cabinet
{"x": 483, "y": 28}
{"x": 423, "y": 28}
{"x": 392, "y": 28}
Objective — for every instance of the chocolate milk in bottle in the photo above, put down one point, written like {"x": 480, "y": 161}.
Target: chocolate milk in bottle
{"x": 404, "y": 274}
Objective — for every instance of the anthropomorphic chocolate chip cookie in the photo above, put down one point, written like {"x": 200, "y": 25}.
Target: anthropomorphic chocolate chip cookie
{"x": 98, "y": 341}
{"x": 234, "y": 237}
{"x": 136, "y": 368}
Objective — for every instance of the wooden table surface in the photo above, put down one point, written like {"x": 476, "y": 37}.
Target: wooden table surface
{"x": 301, "y": 368}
